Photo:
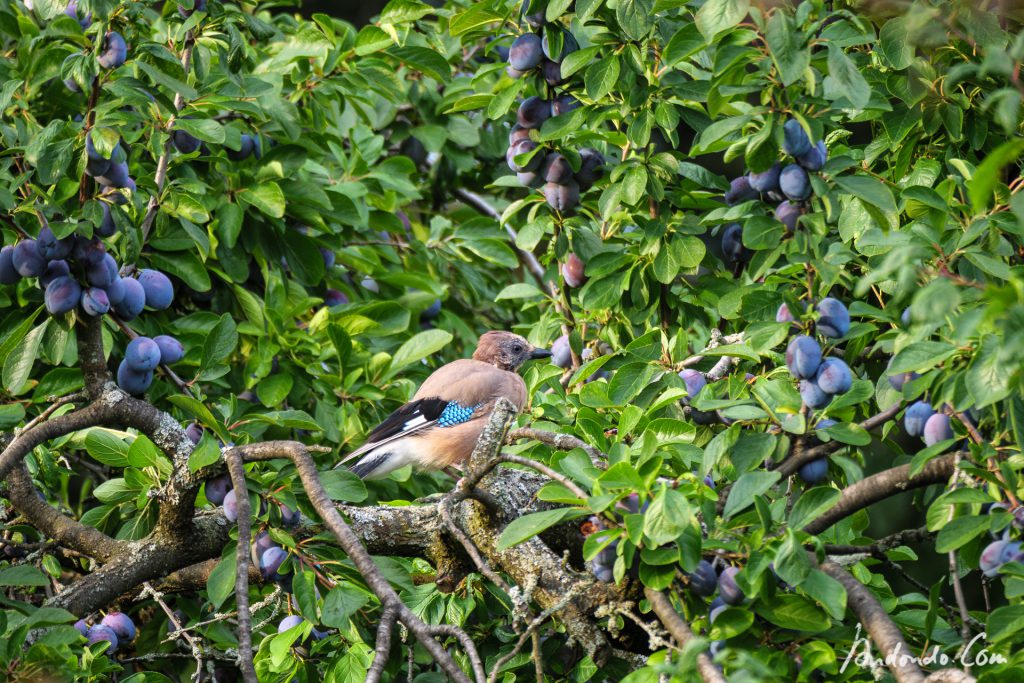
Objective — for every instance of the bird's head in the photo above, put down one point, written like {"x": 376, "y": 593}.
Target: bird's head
{"x": 506, "y": 350}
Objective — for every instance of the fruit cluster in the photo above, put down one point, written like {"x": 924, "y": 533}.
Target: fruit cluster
{"x": 564, "y": 174}
{"x": 142, "y": 355}
{"x": 116, "y": 628}
{"x": 789, "y": 186}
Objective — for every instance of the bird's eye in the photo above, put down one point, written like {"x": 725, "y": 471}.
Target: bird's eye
{"x": 517, "y": 348}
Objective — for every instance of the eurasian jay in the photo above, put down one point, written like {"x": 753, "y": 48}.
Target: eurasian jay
{"x": 440, "y": 426}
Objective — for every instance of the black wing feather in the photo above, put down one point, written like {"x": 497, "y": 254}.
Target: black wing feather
{"x": 429, "y": 408}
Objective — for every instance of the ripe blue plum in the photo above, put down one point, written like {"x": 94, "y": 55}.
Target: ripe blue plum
{"x": 562, "y": 198}
{"x": 217, "y": 488}
{"x": 54, "y": 270}
{"x": 704, "y": 579}
{"x": 51, "y": 248}
{"x": 898, "y": 379}
{"x": 573, "y": 271}
{"x": 991, "y": 557}
{"x": 133, "y": 382}
{"x": 329, "y": 257}
{"x": 788, "y": 214}
{"x": 740, "y": 191}
{"x": 728, "y": 589}
{"x": 133, "y": 301}
{"x": 916, "y": 417}
{"x": 27, "y": 260}
{"x": 937, "y": 428}
{"x": 8, "y": 273}
{"x": 82, "y": 628}
{"x": 194, "y": 432}
{"x": 556, "y": 169}
{"x": 569, "y": 45}
{"x": 231, "y": 506}
{"x": 290, "y": 622}
{"x": 95, "y": 301}
{"x": 732, "y": 243}
{"x": 271, "y": 561}
{"x": 833, "y": 318}
{"x": 532, "y": 112}
{"x": 122, "y": 625}
{"x": 766, "y": 181}
{"x": 784, "y": 315}
{"x": 158, "y": 288}
{"x": 561, "y": 354}
{"x": 88, "y": 250}
{"x": 523, "y": 147}
{"x": 62, "y": 295}
{"x": 107, "y": 226}
{"x": 694, "y": 380}
{"x": 115, "y": 291}
{"x": 185, "y": 142}
{"x": 103, "y": 273}
{"x": 814, "y": 159}
{"x": 815, "y": 471}
{"x": 117, "y": 175}
{"x": 525, "y": 52}
{"x": 517, "y": 133}
{"x": 812, "y": 395}
{"x": 803, "y": 356}
{"x": 591, "y": 168}
{"x": 85, "y": 21}
{"x": 333, "y": 297}
{"x": 834, "y": 376}
{"x": 100, "y": 632}
{"x": 115, "y": 51}
{"x": 551, "y": 72}
{"x": 171, "y": 350}
{"x": 795, "y": 139}
{"x": 795, "y": 183}
{"x": 530, "y": 179}
{"x": 289, "y": 518}
{"x": 141, "y": 354}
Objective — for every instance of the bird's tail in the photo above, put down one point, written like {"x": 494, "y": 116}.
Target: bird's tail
{"x": 385, "y": 459}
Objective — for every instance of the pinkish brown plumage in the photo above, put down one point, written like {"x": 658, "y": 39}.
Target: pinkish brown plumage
{"x": 441, "y": 424}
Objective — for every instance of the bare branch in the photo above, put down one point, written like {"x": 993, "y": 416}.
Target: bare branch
{"x": 680, "y": 630}
{"x": 383, "y": 645}
{"x": 561, "y": 442}
{"x": 237, "y": 471}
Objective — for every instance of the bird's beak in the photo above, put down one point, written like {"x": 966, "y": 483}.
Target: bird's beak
{"x": 539, "y": 353}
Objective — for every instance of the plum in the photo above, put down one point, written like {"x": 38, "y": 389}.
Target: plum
{"x": 132, "y": 381}
{"x": 270, "y": 561}
{"x": 795, "y": 139}
{"x": 898, "y": 379}
{"x": 526, "y": 52}
{"x": 88, "y": 250}
{"x": 289, "y": 517}
{"x": 248, "y": 145}
{"x": 815, "y": 471}
{"x": 573, "y": 271}
{"x": 431, "y": 312}
{"x": 62, "y": 295}
{"x": 217, "y": 489}
{"x": 518, "y": 133}
{"x": 197, "y": 6}
{"x": 333, "y": 298}
{"x": 812, "y": 395}
{"x": 141, "y": 354}
{"x": 766, "y": 181}
{"x": 54, "y": 270}
{"x": 916, "y": 416}
{"x": 290, "y": 622}
{"x": 783, "y": 314}
{"x": 740, "y": 191}
{"x": 795, "y": 183}
{"x": 185, "y": 142}
{"x": 117, "y": 175}
{"x": 788, "y": 214}
{"x": 82, "y": 628}
{"x": 158, "y": 288}
{"x": 523, "y": 147}
{"x": 103, "y": 273}
{"x": 728, "y": 589}
{"x": 551, "y": 72}
{"x": 555, "y": 168}
{"x": 231, "y": 506}
{"x": 95, "y": 301}
{"x": 990, "y": 560}
{"x": 27, "y": 260}
{"x": 905, "y": 316}
{"x": 732, "y": 243}
{"x": 591, "y": 168}
{"x": 101, "y": 632}
{"x": 530, "y": 179}
{"x": 803, "y": 356}
{"x": 122, "y": 625}
{"x": 937, "y": 428}
{"x": 107, "y": 226}
{"x": 532, "y": 112}
{"x": 569, "y": 44}
{"x": 171, "y": 350}
{"x": 562, "y": 198}
{"x": 51, "y": 248}
{"x": 561, "y": 354}
{"x": 133, "y": 302}
{"x": 833, "y": 318}
{"x": 834, "y": 376}
{"x": 1011, "y": 552}
{"x": 8, "y": 273}
{"x": 115, "y": 291}
{"x": 814, "y": 159}
{"x": 115, "y": 51}
{"x": 194, "y": 432}
{"x": 329, "y": 257}
{"x": 704, "y": 579}
{"x": 72, "y": 11}
{"x": 564, "y": 104}
{"x": 694, "y": 381}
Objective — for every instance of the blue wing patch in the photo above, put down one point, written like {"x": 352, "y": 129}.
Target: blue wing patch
{"x": 455, "y": 414}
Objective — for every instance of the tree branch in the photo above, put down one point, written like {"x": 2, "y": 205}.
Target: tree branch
{"x": 245, "y": 659}
{"x": 680, "y": 630}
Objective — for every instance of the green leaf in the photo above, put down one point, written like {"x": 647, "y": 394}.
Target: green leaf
{"x": 478, "y": 15}
{"x": 206, "y": 130}
{"x": 221, "y": 582}
{"x": 868, "y": 190}
{"x": 959, "y": 532}
{"x": 220, "y": 342}
{"x": 667, "y": 516}
{"x": 273, "y": 390}
{"x": 791, "y": 58}
{"x": 895, "y": 43}
{"x": 989, "y": 172}
{"x": 828, "y": 592}
{"x": 636, "y": 17}
{"x": 749, "y": 484}
{"x": 686, "y": 42}
{"x": 106, "y": 447}
{"x": 794, "y": 612}
{"x": 601, "y": 77}
{"x": 812, "y": 504}
{"x": 419, "y": 347}
{"x": 920, "y": 356}
{"x": 206, "y": 453}
{"x": 22, "y": 358}
{"x": 22, "y": 575}
{"x": 526, "y": 527}
{"x": 343, "y": 485}
{"x": 630, "y": 380}
{"x": 1005, "y": 623}
{"x": 847, "y": 80}
{"x": 340, "y": 604}
{"x": 715, "y": 16}
{"x": 266, "y": 197}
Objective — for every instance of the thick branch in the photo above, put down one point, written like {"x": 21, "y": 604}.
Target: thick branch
{"x": 245, "y": 660}
{"x": 880, "y": 486}
{"x": 680, "y": 630}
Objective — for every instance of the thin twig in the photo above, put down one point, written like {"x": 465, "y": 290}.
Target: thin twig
{"x": 382, "y": 648}
{"x": 197, "y": 652}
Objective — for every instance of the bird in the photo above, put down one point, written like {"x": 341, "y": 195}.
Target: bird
{"x": 440, "y": 425}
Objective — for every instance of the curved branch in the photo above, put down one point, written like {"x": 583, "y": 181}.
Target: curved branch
{"x": 880, "y": 486}
{"x": 382, "y": 649}
{"x": 90, "y": 416}
{"x": 680, "y": 630}
{"x": 561, "y": 442}
{"x": 879, "y": 626}
{"x": 237, "y": 471}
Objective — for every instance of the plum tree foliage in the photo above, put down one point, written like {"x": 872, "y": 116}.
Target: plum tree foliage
{"x": 777, "y": 247}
